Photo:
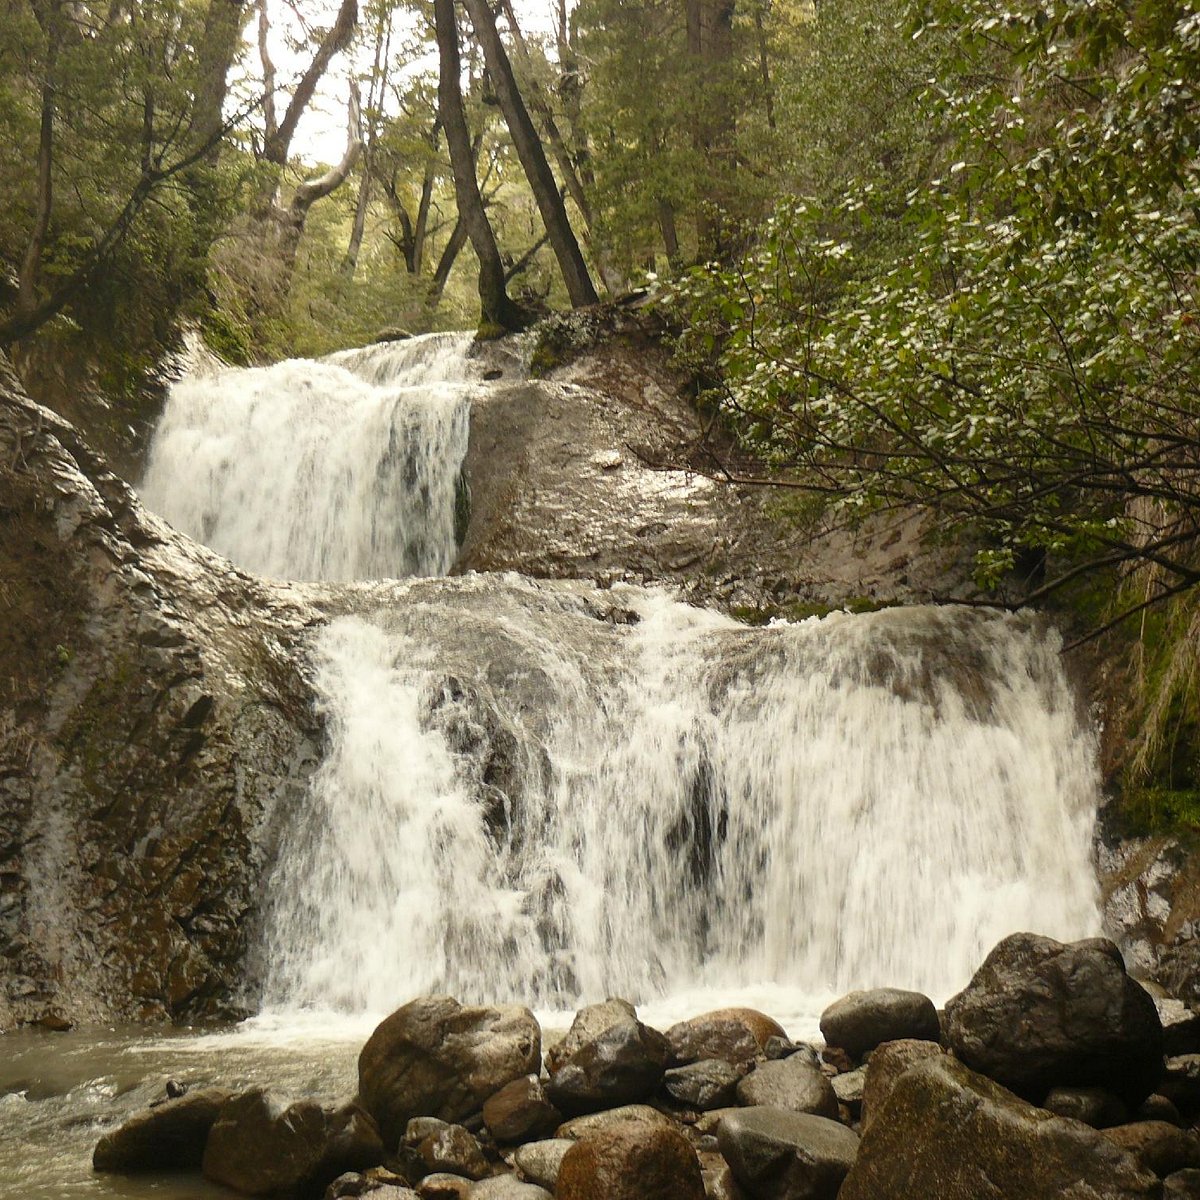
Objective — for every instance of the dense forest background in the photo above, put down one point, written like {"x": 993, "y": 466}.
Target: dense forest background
{"x": 938, "y": 254}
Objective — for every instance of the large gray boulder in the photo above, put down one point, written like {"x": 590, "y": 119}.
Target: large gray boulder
{"x": 776, "y": 1154}
{"x": 860, "y": 1021}
{"x": 710, "y": 1083}
{"x": 169, "y": 1136}
{"x": 948, "y": 1132}
{"x": 1040, "y": 1014}
{"x": 621, "y": 1064}
{"x": 438, "y": 1058}
{"x": 261, "y": 1147}
{"x": 792, "y": 1083}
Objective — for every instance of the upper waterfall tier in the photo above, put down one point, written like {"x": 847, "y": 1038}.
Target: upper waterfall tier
{"x": 340, "y": 469}
{"x": 552, "y": 794}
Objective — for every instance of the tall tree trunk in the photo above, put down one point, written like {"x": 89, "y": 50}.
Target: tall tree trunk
{"x": 710, "y": 51}
{"x": 764, "y": 62}
{"x": 421, "y": 225}
{"x": 458, "y": 239}
{"x": 379, "y": 73}
{"x": 532, "y": 156}
{"x": 497, "y": 309}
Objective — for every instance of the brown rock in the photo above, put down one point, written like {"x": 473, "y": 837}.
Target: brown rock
{"x": 259, "y": 1147}
{"x": 435, "y": 1057}
{"x": 736, "y": 1035}
{"x": 638, "y": 1114}
{"x": 454, "y": 1151}
{"x": 631, "y": 1162}
{"x": 888, "y": 1063}
{"x": 165, "y": 1137}
{"x": 444, "y": 1187}
{"x": 520, "y": 1111}
{"x": 862, "y": 1020}
{"x": 1157, "y": 1146}
{"x": 947, "y": 1132}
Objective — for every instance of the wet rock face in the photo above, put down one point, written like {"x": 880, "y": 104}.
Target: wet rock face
{"x": 156, "y": 720}
{"x": 435, "y": 1057}
{"x": 947, "y": 1131}
{"x": 1151, "y": 893}
{"x": 1040, "y": 1014}
{"x": 587, "y": 471}
{"x": 733, "y": 1035}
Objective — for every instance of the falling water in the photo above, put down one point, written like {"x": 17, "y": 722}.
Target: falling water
{"x": 551, "y": 793}
{"x": 345, "y": 468}
{"x": 524, "y": 801}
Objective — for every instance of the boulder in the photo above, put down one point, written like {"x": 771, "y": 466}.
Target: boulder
{"x": 520, "y": 1110}
{"x": 1181, "y": 1080}
{"x": 719, "y": 1183}
{"x": 710, "y": 1083}
{"x": 623, "y": 1063}
{"x": 506, "y": 1187}
{"x": 1159, "y": 1108}
{"x": 790, "y": 1083}
{"x": 946, "y": 1131}
{"x": 1093, "y": 1106}
{"x": 631, "y": 1162}
{"x": 735, "y": 1035}
{"x": 776, "y": 1154}
{"x": 639, "y": 1114}
{"x": 1182, "y": 1185}
{"x": 168, "y": 1136}
{"x": 888, "y": 1063}
{"x": 442, "y": 1186}
{"x": 1157, "y": 1146}
{"x": 261, "y": 1147}
{"x": 453, "y": 1151}
{"x": 849, "y": 1087}
{"x": 589, "y": 1023}
{"x": 539, "y": 1162}
{"x": 1040, "y": 1014}
{"x": 435, "y": 1057}
{"x": 862, "y": 1020}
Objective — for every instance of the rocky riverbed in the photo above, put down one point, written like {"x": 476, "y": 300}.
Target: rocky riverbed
{"x": 1053, "y": 1073}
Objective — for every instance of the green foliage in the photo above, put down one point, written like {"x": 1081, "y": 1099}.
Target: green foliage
{"x": 1020, "y": 353}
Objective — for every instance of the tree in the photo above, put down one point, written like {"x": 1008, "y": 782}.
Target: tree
{"x": 1022, "y": 360}
{"x": 532, "y": 156}
{"x": 127, "y": 101}
{"x": 498, "y": 311}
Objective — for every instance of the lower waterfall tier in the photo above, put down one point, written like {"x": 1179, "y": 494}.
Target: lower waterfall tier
{"x": 550, "y": 794}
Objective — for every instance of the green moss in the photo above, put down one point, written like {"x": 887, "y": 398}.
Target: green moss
{"x": 1160, "y": 810}
{"x": 489, "y": 331}
{"x": 226, "y": 338}
{"x": 801, "y": 610}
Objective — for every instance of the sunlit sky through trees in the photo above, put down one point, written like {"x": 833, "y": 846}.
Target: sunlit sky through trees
{"x": 321, "y": 135}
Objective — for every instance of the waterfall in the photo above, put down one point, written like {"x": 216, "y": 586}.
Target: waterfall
{"x": 550, "y": 792}
{"x": 524, "y": 802}
{"x": 340, "y": 469}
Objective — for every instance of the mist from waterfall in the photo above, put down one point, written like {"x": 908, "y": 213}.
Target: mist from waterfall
{"x": 345, "y": 468}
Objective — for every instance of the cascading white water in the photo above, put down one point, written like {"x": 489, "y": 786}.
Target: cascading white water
{"x": 340, "y": 469}
{"x": 551, "y": 793}
{"x": 689, "y": 810}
